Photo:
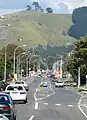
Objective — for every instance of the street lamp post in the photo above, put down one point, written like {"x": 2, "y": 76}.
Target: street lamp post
{"x": 78, "y": 77}
{"x": 18, "y": 62}
{"x": 28, "y": 65}
{"x": 79, "y": 74}
{"x": 6, "y": 56}
{"x": 15, "y": 52}
{"x": 21, "y": 67}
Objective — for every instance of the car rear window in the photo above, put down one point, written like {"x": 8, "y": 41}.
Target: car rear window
{"x": 15, "y": 88}
{"x": 19, "y": 82}
{"x": 4, "y": 98}
{"x": 59, "y": 82}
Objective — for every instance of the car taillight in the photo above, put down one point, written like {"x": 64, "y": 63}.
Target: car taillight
{"x": 6, "y": 108}
{"x": 22, "y": 92}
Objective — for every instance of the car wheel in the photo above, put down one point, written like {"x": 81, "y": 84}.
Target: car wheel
{"x": 25, "y": 101}
{"x": 15, "y": 118}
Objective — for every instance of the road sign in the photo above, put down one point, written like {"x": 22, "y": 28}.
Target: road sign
{"x": 15, "y": 76}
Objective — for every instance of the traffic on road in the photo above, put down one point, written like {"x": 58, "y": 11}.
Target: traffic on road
{"x": 44, "y": 100}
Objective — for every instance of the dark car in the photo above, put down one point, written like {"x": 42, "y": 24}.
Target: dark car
{"x": 7, "y": 107}
{"x": 3, "y": 85}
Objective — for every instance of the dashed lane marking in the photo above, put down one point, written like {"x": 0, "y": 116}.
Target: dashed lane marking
{"x": 70, "y": 105}
{"x": 58, "y": 104}
{"x": 45, "y": 103}
{"x": 36, "y": 105}
{"x": 32, "y": 117}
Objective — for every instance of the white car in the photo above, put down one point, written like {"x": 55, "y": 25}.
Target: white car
{"x": 23, "y": 83}
{"x": 17, "y": 92}
{"x": 59, "y": 84}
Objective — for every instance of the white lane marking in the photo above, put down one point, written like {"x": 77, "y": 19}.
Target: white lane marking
{"x": 58, "y": 104}
{"x": 45, "y": 103}
{"x": 82, "y": 111}
{"x": 70, "y": 105}
{"x": 79, "y": 106}
{"x": 45, "y": 96}
{"x": 32, "y": 117}
{"x": 36, "y": 105}
{"x": 79, "y": 103}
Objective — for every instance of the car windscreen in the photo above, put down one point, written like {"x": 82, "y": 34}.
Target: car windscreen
{"x": 4, "y": 98}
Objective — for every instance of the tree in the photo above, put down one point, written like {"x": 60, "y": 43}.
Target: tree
{"x": 10, "y": 57}
{"x": 49, "y": 10}
{"x": 78, "y": 59}
{"x": 79, "y": 19}
{"x": 28, "y": 7}
{"x": 36, "y": 4}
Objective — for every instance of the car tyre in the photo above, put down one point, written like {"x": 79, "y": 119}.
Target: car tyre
{"x": 15, "y": 118}
{"x": 25, "y": 101}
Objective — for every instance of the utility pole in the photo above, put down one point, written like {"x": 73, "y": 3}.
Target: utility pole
{"x": 61, "y": 71}
{"x": 78, "y": 77}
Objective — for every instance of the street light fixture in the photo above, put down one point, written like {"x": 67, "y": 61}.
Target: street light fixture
{"x": 6, "y": 55}
{"x": 15, "y": 52}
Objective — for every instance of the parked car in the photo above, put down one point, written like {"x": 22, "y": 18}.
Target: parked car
{"x": 3, "y": 85}
{"x": 23, "y": 83}
{"x": 17, "y": 92}
{"x": 7, "y": 107}
{"x": 59, "y": 84}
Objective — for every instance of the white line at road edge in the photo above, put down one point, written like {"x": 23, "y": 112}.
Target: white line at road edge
{"x": 36, "y": 105}
{"x": 79, "y": 106}
{"x": 32, "y": 117}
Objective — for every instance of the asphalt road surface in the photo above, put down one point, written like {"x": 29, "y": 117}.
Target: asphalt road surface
{"x": 49, "y": 104}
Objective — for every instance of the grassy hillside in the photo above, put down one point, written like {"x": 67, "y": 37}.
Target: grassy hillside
{"x": 37, "y": 28}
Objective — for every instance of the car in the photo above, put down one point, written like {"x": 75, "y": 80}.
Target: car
{"x": 3, "y": 117}
{"x": 7, "y": 107}
{"x": 3, "y": 85}
{"x": 59, "y": 84}
{"x": 43, "y": 84}
{"x": 17, "y": 92}
{"x": 24, "y": 84}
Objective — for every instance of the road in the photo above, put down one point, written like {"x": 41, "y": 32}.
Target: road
{"x": 52, "y": 104}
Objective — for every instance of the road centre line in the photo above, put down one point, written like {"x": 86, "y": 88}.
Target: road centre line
{"x": 45, "y": 103}
{"x": 70, "y": 105}
{"x": 36, "y": 105}
{"x": 58, "y": 104}
{"x": 32, "y": 117}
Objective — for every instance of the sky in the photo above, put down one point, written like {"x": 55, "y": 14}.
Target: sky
{"x": 59, "y": 6}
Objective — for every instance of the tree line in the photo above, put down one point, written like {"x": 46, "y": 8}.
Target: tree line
{"x": 37, "y": 7}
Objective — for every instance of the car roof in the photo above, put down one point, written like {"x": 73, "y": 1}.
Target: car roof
{"x": 15, "y": 85}
{"x": 3, "y": 93}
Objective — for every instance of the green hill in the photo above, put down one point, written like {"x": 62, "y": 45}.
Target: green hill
{"x": 37, "y": 28}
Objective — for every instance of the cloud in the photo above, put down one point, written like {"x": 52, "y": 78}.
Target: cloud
{"x": 64, "y": 5}
{"x": 61, "y": 6}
